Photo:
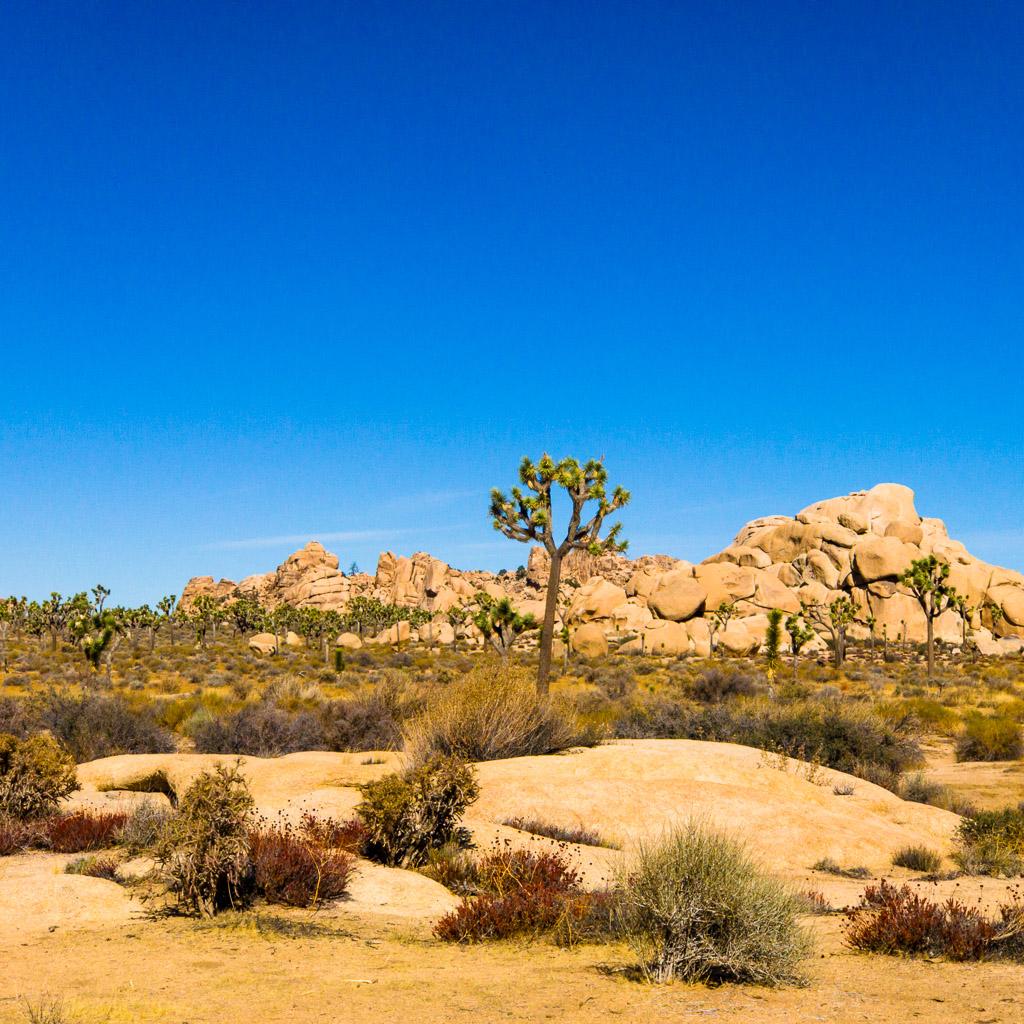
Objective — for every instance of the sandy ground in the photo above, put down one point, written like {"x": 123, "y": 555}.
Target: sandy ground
{"x": 371, "y": 957}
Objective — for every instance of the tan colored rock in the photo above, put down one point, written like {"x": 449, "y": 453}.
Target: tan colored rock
{"x": 264, "y": 643}
{"x": 726, "y": 583}
{"x": 818, "y": 568}
{"x": 736, "y": 640}
{"x": 631, "y": 616}
{"x": 786, "y": 574}
{"x": 293, "y": 640}
{"x": 678, "y": 596}
{"x": 350, "y": 641}
{"x": 589, "y": 640}
{"x": 643, "y": 582}
{"x": 596, "y": 599}
{"x": 882, "y": 558}
{"x": 665, "y": 637}
{"x": 908, "y": 533}
{"x": 700, "y": 637}
{"x": 813, "y": 593}
{"x": 854, "y": 521}
{"x": 772, "y": 593}
{"x": 759, "y": 526}
{"x": 739, "y": 554}
{"x": 1011, "y": 600}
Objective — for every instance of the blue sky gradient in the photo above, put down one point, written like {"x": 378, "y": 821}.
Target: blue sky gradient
{"x": 328, "y": 270}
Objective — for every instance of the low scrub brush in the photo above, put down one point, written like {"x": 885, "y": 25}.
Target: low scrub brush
{"x": 578, "y": 834}
{"x": 917, "y": 858}
{"x": 890, "y": 920}
{"x": 294, "y": 867}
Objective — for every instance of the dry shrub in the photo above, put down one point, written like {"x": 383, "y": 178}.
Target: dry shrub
{"x": 986, "y": 738}
{"x": 891, "y": 920}
{"x": 16, "y": 836}
{"x": 83, "y": 831}
{"x": 523, "y": 893}
{"x": 294, "y": 867}
{"x": 697, "y": 908}
{"x": 579, "y": 834}
{"x": 142, "y": 828}
{"x": 991, "y": 842}
{"x": 204, "y": 849}
{"x": 91, "y": 725}
{"x": 917, "y": 858}
{"x": 35, "y": 775}
{"x": 408, "y": 814}
{"x": 493, "y": 713}
{"x": 102, "y": 866}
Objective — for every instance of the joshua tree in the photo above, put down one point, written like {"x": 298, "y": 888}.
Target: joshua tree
{"x": 799, "y": 634}
{"x": 55, "y": 614}
{"x": 771, "y": 647}
{"x": 885, "y": 643}
{"x": 165, "y": 606}
{"x": 458, "y": 615}
{"x": 928, "y": 580}
{"x": 528, "y": 517}
{"x": 718, "y": 619}
{"x": 835, "y": 619}
{"x": 872, "y": 622}
{"x": 996, "y": 612}
{"x": 501, "y": 623}
{"x": 966, "y": 613}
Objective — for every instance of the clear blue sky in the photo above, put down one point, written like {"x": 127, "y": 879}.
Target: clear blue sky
{"x": 272, "y": 272}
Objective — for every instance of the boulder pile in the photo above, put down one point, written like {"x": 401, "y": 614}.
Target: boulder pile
{"x": 854, "y": 546}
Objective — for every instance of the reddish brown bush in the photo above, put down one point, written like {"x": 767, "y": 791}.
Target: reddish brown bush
{"x": 82, "y": 831}
{"x": 522, "y": 893}
{"x": 891, "y": 920}
{"x": 294, "y": 867}
{"x": 339, "y": 835}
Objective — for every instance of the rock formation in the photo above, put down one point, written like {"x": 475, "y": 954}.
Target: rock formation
{"x": 856, "y": 545}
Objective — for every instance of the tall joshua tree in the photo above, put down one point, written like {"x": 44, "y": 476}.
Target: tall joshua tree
{"x": 526, "y": 516}
{"x": 928, "y": 580}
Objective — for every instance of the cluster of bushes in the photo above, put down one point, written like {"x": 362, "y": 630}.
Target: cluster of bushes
{"x": 692, "y": 907}
{"x": 841, "y": 735}
{"x": 891, "y": 920}
{"x": 521, "y": 892}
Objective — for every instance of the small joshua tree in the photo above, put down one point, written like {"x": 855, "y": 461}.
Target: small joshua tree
{"x": 526, "y": 516}
{"x": 872, "y": 622}
{"x": 718, "y": 619}
{"x": 458, "y": 615}
{"x": 996, "y": 612}
{"x": 772, "y": 636}
{"x": 928, "y": 580}
{"x": 966, "y": 613}
{"x": 501, "y": 624}
{"x": 799, "y": 635}
{"x": 835, "y": 619}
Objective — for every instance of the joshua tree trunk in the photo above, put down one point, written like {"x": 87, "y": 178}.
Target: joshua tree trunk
{"x": 931, "y": 647}
{"x": 547, "y": 632}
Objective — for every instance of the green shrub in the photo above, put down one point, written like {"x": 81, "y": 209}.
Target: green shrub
{"x": 986, "y": 738}
{"x": 204, "y": 849}
{"x": 991, "y": 842}
{"x": 917, "y": 858}
{"x": 696, "y": 907}
{"x": 35, "y": 775}
{"x": 493, "y": 713}
{"x": 409, "y": 814}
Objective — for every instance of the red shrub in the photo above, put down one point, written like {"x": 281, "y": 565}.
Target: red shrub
{"x": 82, "y": 831}
{"x": 891, "y": 920}
{"x": 524, "y": 893}
{"x": 295, "y": 868}
{"x": 338, "y": 835}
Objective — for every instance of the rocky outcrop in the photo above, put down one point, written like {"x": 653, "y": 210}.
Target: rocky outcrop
{"x": 855, "y": 545}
